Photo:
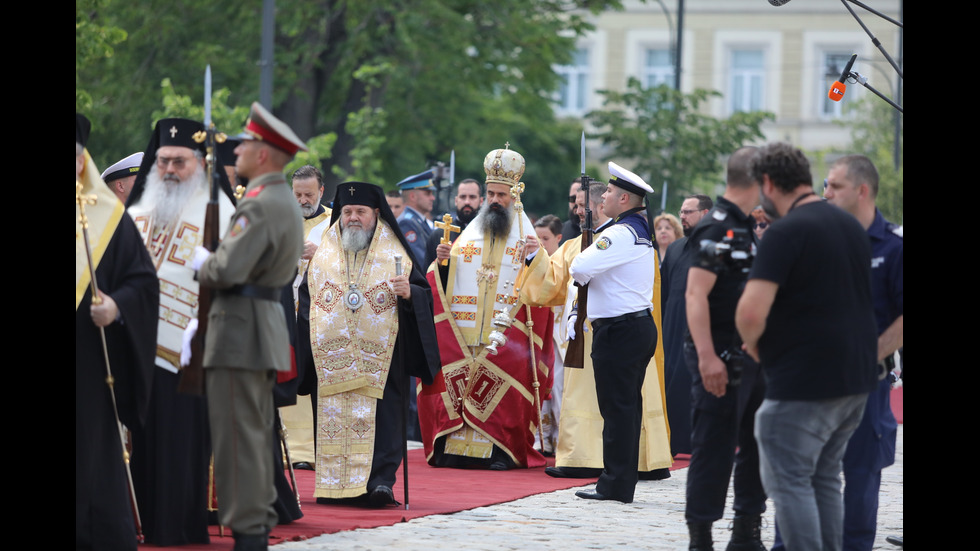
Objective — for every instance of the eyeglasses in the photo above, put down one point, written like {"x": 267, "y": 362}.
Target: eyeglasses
{"x": 178, "y": 162}
{"x": 685, "y": 212}
{"x": 761, "y": 225}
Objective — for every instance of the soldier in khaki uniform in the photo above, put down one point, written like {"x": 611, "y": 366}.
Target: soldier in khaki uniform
{"x": 247, "y": 340}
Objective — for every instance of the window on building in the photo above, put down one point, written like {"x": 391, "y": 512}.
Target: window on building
{"x": 747, "y": 80}
{"x": 574, "y": 91}
{"x": 658, "y": 68}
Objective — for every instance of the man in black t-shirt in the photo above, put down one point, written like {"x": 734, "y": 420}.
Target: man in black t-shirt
{"x": 722, "y": 407}
{"x": 806, "y": 314}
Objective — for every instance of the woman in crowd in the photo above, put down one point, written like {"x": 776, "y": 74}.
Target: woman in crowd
{"x": 666, "y": 230}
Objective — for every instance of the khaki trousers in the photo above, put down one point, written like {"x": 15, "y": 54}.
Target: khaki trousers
{"x": 241, "y": 412}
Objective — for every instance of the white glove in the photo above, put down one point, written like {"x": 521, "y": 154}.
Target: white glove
{"x": 200, "y": 255}
{"x": 185, "y": 348}
{"x": 571, "y": 326}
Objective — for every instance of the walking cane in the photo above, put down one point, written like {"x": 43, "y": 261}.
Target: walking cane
{"x": 406, "y": 390}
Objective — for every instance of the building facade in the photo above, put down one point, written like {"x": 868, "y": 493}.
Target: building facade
{"x": 759, "y": 56}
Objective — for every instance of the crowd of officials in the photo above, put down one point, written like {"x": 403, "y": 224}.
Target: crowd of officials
{"x": 761, "y": 324}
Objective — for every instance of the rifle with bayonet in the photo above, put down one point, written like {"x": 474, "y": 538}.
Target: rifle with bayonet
{"x": 575, "y": 353}
{"x": 192, "y": 376}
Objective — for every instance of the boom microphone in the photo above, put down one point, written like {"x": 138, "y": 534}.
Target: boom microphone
{"x": 838, "y": 88}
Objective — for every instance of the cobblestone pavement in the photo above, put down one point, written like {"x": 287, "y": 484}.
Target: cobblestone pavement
{"x": 560, "y": 521}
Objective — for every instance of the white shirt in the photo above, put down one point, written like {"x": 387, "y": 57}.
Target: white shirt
{"x": 620, "y": 273}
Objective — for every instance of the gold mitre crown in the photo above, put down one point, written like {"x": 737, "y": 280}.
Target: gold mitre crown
{"x": 504, "y": 166}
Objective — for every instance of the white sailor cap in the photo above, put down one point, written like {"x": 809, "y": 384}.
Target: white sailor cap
{"x": 624, "y": 179}
{"x": 129, "y": 166}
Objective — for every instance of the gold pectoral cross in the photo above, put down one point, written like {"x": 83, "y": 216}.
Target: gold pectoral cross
{"x": 446, "y": 226}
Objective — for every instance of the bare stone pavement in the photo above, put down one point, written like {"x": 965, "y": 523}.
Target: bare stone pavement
{"x": 559, "y": 521}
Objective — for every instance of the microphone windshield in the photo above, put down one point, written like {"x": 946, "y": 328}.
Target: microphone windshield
{"x": 837, "y": 91}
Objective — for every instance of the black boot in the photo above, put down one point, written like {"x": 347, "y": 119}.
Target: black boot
{"x": 251, "y": 542}
{"x": 746, "y": 534}
{"x": 700, "y": 536}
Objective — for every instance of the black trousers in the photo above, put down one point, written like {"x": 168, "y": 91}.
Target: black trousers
{"x": 719, "y": 427}
{"x": 621, "y": 352}
{"x": 389, "y": 424}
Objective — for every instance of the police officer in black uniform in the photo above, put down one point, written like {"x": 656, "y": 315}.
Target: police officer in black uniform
{"x": 726, "y": 385}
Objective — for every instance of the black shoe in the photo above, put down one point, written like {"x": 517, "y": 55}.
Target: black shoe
{"x": 381, "y": 497}
{"x": 584, "y": 494}
{"x": 700, "y": 536}
{"x": 303, "y": 466}
{"x": 656, "y": 474}
{"x": 572, "y": 472}
{"x": 896, "y": 540}
{"x": 251, "y": 542}
{"x": 499, "y": 466}
{"x": 746, "y": 534}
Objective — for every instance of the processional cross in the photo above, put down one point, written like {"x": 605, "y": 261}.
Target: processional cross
{"x": 446, "y": 226}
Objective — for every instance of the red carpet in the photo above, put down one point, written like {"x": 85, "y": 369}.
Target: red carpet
{"x": 432, "y": 491}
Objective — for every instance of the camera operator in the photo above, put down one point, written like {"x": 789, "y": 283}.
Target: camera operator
{"x": 726, "y": 387}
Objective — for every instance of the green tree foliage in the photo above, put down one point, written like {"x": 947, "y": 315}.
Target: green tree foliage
{"x": 93, "y": 42}
{"x": 173, "y": 39}
{"x": 393, "y": 86}
{"x": 665, "y": 136}
{"x": 458, "y": 75}
{"x": 226, "y": 118}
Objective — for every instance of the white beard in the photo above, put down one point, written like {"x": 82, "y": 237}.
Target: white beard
{"x": 308, "y": 210}
{"x": 356, "y": 238}
{"x": 167, "y": 199}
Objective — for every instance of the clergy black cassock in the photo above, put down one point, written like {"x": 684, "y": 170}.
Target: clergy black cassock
{"x": 677, "y": 379}
{"x": 103, "y": 515}
{"x": 284, "y": 394}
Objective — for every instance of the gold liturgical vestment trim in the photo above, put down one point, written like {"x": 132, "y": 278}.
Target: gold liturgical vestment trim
{"x": 352, "y": 352}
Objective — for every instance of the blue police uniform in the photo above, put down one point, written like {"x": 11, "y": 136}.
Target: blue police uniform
{"x": 872, "y": 447}
{"x": 416, "y": 229}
